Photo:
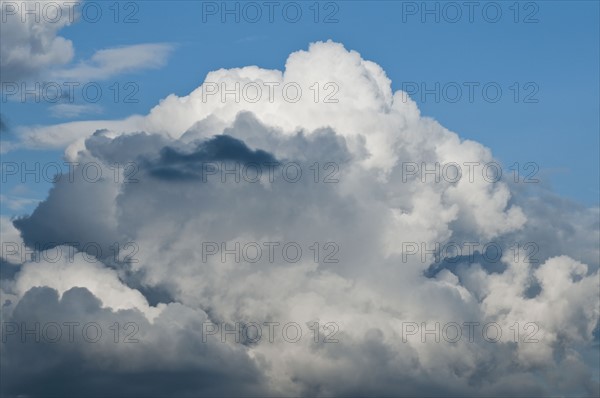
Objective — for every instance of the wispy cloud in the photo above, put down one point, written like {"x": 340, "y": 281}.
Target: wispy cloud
{"x": 74, "y": 110}
{"x": 107, "y": 63}
{"x": 16, "y": 203}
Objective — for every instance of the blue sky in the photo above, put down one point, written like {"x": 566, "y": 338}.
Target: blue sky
{"x": 554, "y": 60}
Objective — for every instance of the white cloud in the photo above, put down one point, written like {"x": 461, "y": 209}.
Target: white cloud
{"x": 16, "y": 203}
{"x": 74, "y": 110}
{"x": 370, "y": 293}
{"x": 32, "y": 48}
{"x": 110, "y": 62}
{"x": 63, "y": 269}
{"x": 10, "y": 236}
{"x": 29, "y": 47}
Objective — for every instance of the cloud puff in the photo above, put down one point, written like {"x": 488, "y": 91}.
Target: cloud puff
{"x": 187, "y": 366}
{"x": 350, "y": 211}
{"x": 29, "y": 46}
{"x": 33, "y": 49}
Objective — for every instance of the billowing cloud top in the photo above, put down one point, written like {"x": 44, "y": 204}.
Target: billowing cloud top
{"x": 204, "y": 174}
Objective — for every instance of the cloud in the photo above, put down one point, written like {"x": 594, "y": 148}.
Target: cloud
{"x": 16, "y": 203}
{"x": 3, "y": 125}
{"x": 341, "y": 195}
{"x": 110, "y": 62}
{"x": 173, "y": 164}
{"x": 187, "y": 367}
{"x": 33, "y": 49}
{"x": 30, "y": 47}
{"x": 74, "y": 110}
{"x": 10, "y": 236}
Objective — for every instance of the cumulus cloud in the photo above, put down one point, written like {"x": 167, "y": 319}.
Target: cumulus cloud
{"x": 186, "y": 185}
{"x": 32, "y": 47}
{"x": 187, "y": 367}
{"x": 30, "y": 43}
